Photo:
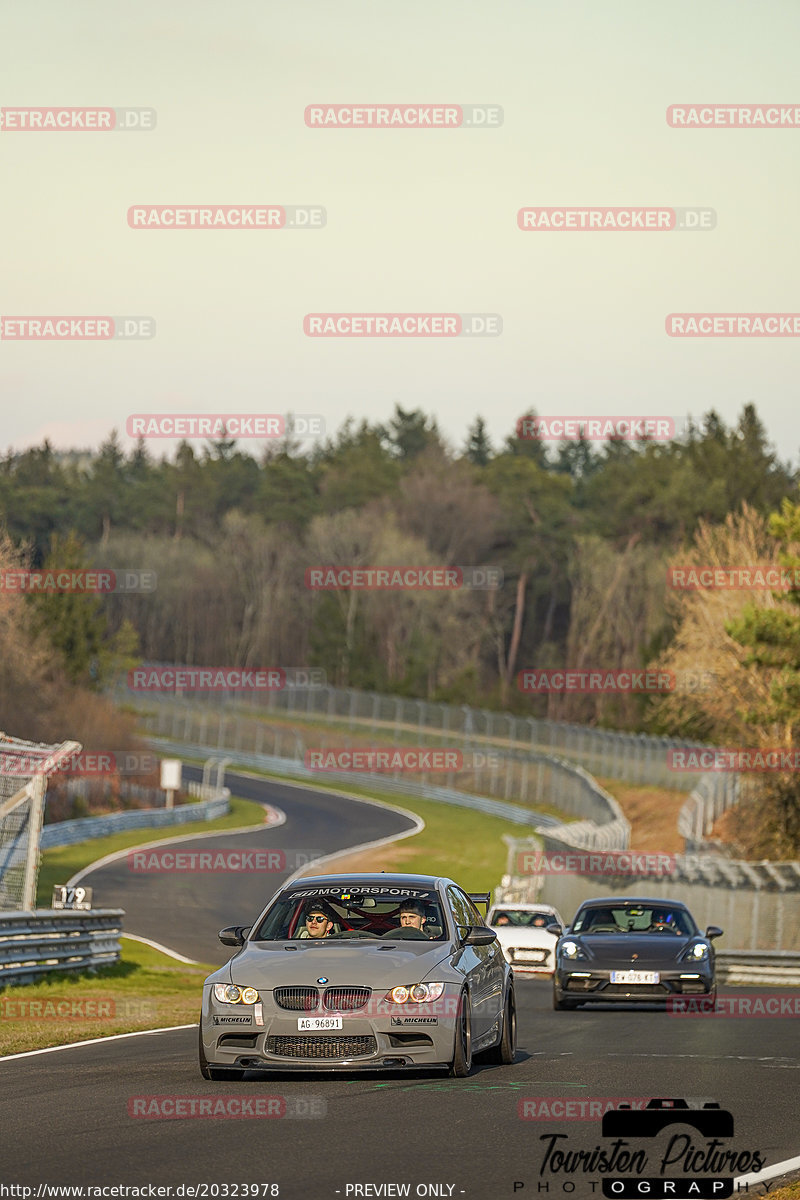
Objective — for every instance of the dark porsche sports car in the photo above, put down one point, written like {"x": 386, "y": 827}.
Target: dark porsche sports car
{"x": 360, "y": 972}
{"x": 628, "y": 950}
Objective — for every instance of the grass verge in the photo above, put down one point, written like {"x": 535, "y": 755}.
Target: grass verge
{"x": 459, "y": 842}
{"x": 145, "y": 990}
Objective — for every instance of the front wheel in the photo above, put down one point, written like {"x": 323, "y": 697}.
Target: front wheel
{"x": 506, "y": 1049}
{"x": 461, "y": 1063}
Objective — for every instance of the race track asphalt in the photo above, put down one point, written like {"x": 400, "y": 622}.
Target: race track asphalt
{"x": 73, "y": 1117}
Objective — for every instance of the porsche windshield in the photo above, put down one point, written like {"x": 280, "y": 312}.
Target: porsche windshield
{"x": 635, "y": 918}
{"x": 342, "y": 913}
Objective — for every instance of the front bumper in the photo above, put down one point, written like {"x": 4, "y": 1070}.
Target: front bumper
{"x": 376, "y": 1041}
{"x": 591, "y": 985}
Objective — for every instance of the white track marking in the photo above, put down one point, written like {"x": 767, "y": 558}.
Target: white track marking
{"x": 781, "y": 1168}
{"x": 114, "y": 1037}
{"x": 134, "y": 937}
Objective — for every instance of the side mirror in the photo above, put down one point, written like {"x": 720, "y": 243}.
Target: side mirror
{"x": 555, "y": 929}
{"x": 714, "y": 931}
{"x": 234, "y": 935}
{"x": 476, "y": 935}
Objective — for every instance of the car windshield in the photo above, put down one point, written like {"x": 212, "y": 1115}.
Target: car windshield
{"x": 519, "y": 916}
{"x": 629, "y": 918}
{"x": 342, "y": 913}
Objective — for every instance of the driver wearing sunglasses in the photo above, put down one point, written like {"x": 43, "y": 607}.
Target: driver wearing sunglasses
{"x": 318, "y": 921}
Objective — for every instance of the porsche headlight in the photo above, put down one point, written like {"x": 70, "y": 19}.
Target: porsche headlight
{"x": 417, "y": 993}
{"x": 229, "y": 993}
{"x": 695, "y": 953}
{"x": 570, "y": 949}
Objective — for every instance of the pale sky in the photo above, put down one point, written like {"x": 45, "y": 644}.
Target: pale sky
{"x": 417, "y": 220}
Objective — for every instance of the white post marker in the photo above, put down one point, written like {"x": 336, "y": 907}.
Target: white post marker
{"x": 171, "y": 774}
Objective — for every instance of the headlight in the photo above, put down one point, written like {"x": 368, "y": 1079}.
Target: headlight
{"x": 696, "y": 952}
{"x": 570, "y": 949}
{"x": 417, "y": 993}
{"x": 229, "y": 993}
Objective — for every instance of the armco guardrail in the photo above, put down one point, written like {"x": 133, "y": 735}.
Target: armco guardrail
{"x": 613, "y": 834}
{"x": 66, "y": 833}
{"x": 768, "y": 967}
{"x": 756, "y": 903}
{"x": 35, "y": 943}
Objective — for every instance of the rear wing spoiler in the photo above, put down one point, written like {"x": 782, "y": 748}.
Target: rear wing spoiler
{"x": 480, "y": 898}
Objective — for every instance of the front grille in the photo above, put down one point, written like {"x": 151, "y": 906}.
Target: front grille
{"x": 298, "y": 999}
{"x": 321, "y": 1047}
{"x": 346, "y": 999}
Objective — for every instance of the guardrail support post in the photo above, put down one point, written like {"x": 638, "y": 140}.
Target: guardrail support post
{"x": 35, "y": 817}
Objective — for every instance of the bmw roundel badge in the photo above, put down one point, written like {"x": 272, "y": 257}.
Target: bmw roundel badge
{"x": 322, "y": 979}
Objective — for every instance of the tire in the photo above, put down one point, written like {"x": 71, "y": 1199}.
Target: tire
{"x": 461, "y": 1063}
{"x": 506, "y": 1049}
{"x": 218, "y": 1074}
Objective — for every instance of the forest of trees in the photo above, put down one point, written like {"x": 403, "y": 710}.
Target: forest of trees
{"x": 584, "y": 534}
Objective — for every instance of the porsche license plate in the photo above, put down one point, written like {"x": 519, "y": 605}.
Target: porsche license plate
{"x": 635, "y": 976}
{"x": 306, "y": 1023}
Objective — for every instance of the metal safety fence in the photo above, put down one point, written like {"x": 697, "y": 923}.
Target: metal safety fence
{"x": 630, "y": 757}
{"x": 24, "y": 768}
{"x": 528, "y": 786}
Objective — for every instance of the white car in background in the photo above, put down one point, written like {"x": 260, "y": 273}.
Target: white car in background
{"x": 522, "y": 933}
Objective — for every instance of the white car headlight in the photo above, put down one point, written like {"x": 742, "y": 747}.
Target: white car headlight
{"x": 229, "y": 993}
{"x": 417, "y": 993}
